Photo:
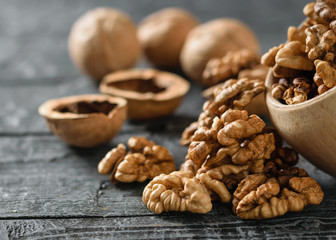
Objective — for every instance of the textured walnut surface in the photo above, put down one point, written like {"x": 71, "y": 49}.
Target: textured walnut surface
{"x": 220, "y": 69}
{"x": 177, "y": 191}
{"x": 261, "y": 196}
{"x": 145, "y": 160}
{"x": 226, "y": 153}
{"x": 309, "y": 51}
{"x": 52, "y": 189}
{"x": 236, "y": 94}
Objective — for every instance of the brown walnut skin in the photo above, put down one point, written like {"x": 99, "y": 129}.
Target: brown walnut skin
{"x": 85, "y": 120}
{"x": 143, "y": 161}
{"x": 177, "y": 191}
{"x": 213, "y": 40}
{"x": 103, "y": 40}
{"x": 257, "y": 105}
{"x": 162, "y": 35}
{"x": 221, "y": 69}
{"x": 150, "y": 93}
{"x": 261, "y": 196}
{"x": 236, "y": 94}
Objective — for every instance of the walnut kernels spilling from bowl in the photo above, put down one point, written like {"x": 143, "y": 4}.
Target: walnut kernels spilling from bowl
{"x": 228, "y": 150}
{"x": 308, "y": 54}
{"x": 150, "y": 93}
{"x": 85, "y": 120}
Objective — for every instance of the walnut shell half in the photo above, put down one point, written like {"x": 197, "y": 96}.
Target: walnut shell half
{"x": 85, "y": 120}
{"x": 150, "y": 93}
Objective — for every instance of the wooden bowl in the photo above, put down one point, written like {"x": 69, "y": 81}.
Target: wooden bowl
{"x": 150, "y": 93}
{"x": 309, "y": 127}
{"x": 85, "y": 120}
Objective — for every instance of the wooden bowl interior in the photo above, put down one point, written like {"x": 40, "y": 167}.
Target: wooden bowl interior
{"x": 309, "y": 127}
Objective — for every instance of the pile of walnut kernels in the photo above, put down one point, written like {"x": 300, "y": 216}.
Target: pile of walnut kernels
{"x": 304, "y": 66}
{"x": 232, "y": 156}
{"x": 229, "y": 151}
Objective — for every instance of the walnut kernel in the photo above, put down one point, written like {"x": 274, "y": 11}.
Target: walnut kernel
{"x": 260, "y": 196}
{"x": 178, "y": 191}
{"x": 145, "y": 160}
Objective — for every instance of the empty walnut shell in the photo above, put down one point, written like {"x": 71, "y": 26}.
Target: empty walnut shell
{"x": 150, "y": 93}
{"x": 309, "y": 127}
{"x": 85, "y": 120}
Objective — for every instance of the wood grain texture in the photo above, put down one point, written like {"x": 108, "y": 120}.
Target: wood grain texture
{"x": 49, "y": 190}
{"x": 168, "y": 227}
{"x": 41, "y": 176}
{"x": 21, "y": 100}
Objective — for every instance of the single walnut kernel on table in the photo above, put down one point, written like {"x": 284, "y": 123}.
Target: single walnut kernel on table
{"x": 145, "y": 160}
{"x": 177, "y": 191}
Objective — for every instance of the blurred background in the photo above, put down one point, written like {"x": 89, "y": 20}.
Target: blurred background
{"x": 33, "y": 33}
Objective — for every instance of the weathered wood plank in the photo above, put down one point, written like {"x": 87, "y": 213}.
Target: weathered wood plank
{"x": 48, "y": 148}
{"x": 169, "y": 227}
{"x": 19, "y": 114}
{"x": 46, "y": 178}
{"x": 20, "y": 103}
{"x": 41, "y": 176}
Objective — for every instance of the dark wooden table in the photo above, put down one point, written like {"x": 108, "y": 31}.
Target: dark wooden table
{"x": 49, "y": 190}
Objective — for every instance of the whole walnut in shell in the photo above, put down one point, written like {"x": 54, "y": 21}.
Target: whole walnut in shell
{"x": 103, "y": 40}
{"x": 213, "y": 40}
{"x": 162, "y": 35}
